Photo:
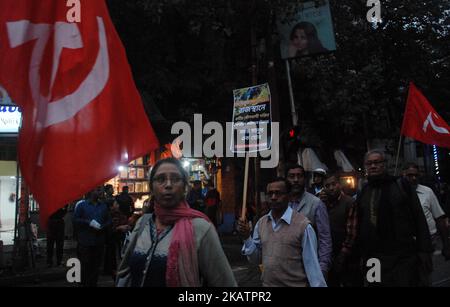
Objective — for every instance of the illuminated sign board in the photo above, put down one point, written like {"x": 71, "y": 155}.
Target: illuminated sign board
{"x": 9, "y": 119}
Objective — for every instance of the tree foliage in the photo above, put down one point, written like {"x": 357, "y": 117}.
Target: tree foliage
{"x": 188, "y": 56}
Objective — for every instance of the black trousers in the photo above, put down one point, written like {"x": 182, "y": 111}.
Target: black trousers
{"x": 211, "y": 212}
{"x": 402, "y": 271}
{"x": 90, "y": 258}
{"x": 55, "y": 235}
{"x": 108, "y": 261}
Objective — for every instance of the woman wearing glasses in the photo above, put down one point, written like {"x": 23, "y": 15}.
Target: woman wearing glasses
{"x": 175, "y": 246}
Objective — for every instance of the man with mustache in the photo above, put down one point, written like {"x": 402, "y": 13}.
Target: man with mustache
{"x": 284, "y": 242}
{"x": 313, "y": 208}
{"x": 436, "y": 219}
{"x": 343, "y": 225}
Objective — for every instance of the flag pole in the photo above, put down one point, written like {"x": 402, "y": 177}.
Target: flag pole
{"x": 400, "y": 139}
{"x": 244, "y": 198}
{"x": 294, "y": 114}
{"x": 398, "y": 154}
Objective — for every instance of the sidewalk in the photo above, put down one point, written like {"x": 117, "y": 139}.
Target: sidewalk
{"x": 41, "y": 273}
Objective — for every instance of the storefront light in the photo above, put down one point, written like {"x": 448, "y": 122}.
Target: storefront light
{"x": 349, "y": 181}
{"x": 121, "y": 168}
{"x": 186, "y": 163}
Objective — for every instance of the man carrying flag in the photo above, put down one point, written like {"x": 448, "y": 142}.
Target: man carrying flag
{"x": 82, "y": 114}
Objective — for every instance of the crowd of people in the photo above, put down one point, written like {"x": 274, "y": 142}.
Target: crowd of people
{"x": 102, "y": 224}
{"x": 313, "y": 236}
{"x": 331, "y": 239}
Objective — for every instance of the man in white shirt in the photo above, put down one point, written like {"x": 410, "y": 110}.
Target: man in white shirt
{"x": 435, "y": 216}
{"x": 284, "y": 242}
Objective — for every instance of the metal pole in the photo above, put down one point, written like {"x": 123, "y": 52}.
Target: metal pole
{"x": 17, "y": 204}
{"x": 244, "y": 198}
{"x": 291, "y": 95}
{"x": 293, "y": 111}
{"x": 398, "y": 154}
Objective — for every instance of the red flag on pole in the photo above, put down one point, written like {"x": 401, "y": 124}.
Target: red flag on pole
{"x": 422, "y": 123}
{"x": 82, "y": 113}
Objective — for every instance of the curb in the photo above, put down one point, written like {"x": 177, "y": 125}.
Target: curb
{"x": 32, "y": 278}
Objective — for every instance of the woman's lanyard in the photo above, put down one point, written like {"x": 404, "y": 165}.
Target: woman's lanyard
{"x": 156, "y": 238}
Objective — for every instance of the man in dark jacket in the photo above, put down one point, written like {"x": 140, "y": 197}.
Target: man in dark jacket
{"x": 392, "y": 227}
{"x": 91, "y": 218}
{"x": 55, "y": 235}
{"x": 126, "y": 203}
{"x": 343, "y": 226}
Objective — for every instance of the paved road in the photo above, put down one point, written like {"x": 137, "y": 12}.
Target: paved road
{"x": 246, "y": 275}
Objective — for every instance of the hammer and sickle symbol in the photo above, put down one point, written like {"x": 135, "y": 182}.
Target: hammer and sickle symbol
{"x": 429, "y": 121}
{"x": 67, "y": 35}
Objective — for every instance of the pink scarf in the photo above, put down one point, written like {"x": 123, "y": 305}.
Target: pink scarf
{"x": 182, "y": 264}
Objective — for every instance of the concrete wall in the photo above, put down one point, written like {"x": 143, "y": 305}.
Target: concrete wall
{"x": 7, "y": 207}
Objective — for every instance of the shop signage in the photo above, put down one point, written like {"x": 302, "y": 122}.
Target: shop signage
{"x": 9, "y": 119}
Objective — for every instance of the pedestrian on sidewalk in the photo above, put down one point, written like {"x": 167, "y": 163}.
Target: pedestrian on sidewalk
{"x": 284, "y": 242}
{"x": 212, "y": 203}
{"x": 120, "y": 227}
{"x": 176, "y": 245}
{"x": 126, "y": 202}
{"x": 109, "y": 264}
{"x": 195, "y": 197}
{"x": 91, "y": 217}
{"x": 55, "y": 236}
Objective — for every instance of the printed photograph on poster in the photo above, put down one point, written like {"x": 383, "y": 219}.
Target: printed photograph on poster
{"x": 252, "y": 119}
{"x": 132, "y": 173}
{"x": 310, "y": 31}
{"x": 145, "y": 187}
{"x": 138, "y": 187}
{"x": 140, "y": 161}
{"x": 140, "y": 173}
{"x": 130, "y": 187}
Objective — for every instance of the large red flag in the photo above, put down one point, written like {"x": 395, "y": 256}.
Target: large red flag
{"x": 422, "y": 123}
{"x": 82, "y": 113}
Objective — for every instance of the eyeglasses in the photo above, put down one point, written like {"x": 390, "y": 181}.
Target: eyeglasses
{"x": 376, "y": 163}
{"x": 162, "y": 179}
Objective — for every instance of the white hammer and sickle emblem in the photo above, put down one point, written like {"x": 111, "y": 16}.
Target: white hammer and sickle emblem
{"x": 67, "y": 35}
{"x": 429, "y": 121}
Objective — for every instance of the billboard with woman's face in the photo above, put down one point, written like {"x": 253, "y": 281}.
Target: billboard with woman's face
{"x": 309, "y": 31}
